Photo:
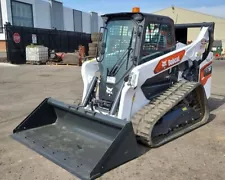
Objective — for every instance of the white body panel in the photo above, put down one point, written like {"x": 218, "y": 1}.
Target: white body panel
{"x": 88, "y": 70}
{"x": 132, "y": 98}
{"x": 131, "y": 101}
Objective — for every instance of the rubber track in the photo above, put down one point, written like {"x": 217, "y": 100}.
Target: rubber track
{"x": 145, "y": 119}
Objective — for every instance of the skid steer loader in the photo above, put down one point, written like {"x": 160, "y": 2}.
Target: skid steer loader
{"x": 147, "y": 86}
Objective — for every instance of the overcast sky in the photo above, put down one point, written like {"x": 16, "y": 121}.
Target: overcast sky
{"x": 214, "y": 7}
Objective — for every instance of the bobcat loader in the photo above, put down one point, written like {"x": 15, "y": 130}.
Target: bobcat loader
{"x": 147, "y": 86}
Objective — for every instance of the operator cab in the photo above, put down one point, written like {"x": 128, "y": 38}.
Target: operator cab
{"x": 150, "y": 33}
{"x": 130, "y": 39}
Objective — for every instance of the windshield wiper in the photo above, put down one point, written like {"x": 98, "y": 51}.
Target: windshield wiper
{"x": 117, "y": 65}
{"x": 121, "y": 61}
{"x": 102, "y": 53}
{"x": 129, "y": 47}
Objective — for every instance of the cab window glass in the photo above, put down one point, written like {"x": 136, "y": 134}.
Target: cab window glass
{"x": 158, "y": 37}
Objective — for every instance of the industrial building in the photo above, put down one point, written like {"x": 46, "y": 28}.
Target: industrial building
{"x": 47, "y": 14}
{"x": 180, "y": 15}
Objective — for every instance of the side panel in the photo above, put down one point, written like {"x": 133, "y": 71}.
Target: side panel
{"x": 88, "y": 70}
{"x": 130, "y": 102}
{"x": 205, "y": 74}
{"x": 138, "y": 100}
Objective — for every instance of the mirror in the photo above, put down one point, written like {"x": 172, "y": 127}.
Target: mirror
{"x": 102, "y": 51}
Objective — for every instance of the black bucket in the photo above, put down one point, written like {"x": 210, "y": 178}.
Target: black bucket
{"x": 84, "y": 143}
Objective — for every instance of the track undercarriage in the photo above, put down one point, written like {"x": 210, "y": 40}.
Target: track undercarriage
{"x": 180, "y": 109}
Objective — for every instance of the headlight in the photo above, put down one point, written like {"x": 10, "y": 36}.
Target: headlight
{"x": 133, "y": 79}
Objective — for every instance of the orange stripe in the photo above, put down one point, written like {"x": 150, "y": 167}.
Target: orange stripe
{"x": 169, "y": 61}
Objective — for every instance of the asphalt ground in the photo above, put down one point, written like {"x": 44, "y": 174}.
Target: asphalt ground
{"x": 196, "y": 155}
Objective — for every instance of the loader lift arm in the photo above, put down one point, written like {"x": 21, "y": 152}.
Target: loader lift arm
{"x": 181, "y": 33}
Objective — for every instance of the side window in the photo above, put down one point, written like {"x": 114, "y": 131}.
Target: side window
{"x": 158, "y": 37}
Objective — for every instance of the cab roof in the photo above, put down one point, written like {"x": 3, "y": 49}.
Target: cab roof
{"x": 145, "y": 15}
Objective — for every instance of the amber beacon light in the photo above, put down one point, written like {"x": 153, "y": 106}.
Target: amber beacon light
{"x": 135, "y": 9}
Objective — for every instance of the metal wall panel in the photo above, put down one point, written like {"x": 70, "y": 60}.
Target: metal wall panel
{"x": 57, "y": 15}
{"x": 94, "y": 22}
{"x": 86, "y": 22}
{"x": 68, "y": 19}
{"x": 42, "y": 14}
{"x": 100, "y": 22}
{"x": 1, "y": 23}
{"x": 77, "y": 17}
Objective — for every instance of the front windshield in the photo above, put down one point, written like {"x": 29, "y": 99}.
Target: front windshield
{"x": 118, "y": 38}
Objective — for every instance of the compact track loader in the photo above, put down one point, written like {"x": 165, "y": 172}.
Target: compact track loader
{"x": 147, "y": 86}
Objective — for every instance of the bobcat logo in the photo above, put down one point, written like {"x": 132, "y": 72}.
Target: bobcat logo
{"x": 169, "y": 61}
{"x": 109, "y": 91}
{"x": 164, "y": 64}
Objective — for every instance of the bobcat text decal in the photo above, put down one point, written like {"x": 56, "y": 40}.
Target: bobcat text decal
{"x": 169, "y": 61}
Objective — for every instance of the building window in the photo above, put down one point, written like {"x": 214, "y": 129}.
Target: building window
{"x": 22, "y": 14}
{"x": 1, "y": 24}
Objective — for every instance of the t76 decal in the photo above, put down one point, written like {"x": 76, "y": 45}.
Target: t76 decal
{"x": 205, "y": 73}
{"x": 169, "y": 61}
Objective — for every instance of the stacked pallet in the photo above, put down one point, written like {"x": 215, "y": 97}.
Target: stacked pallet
{"x": 96, "y": 39}
{"x": 36, "y": 54}
{"x": 66, "y": 59}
